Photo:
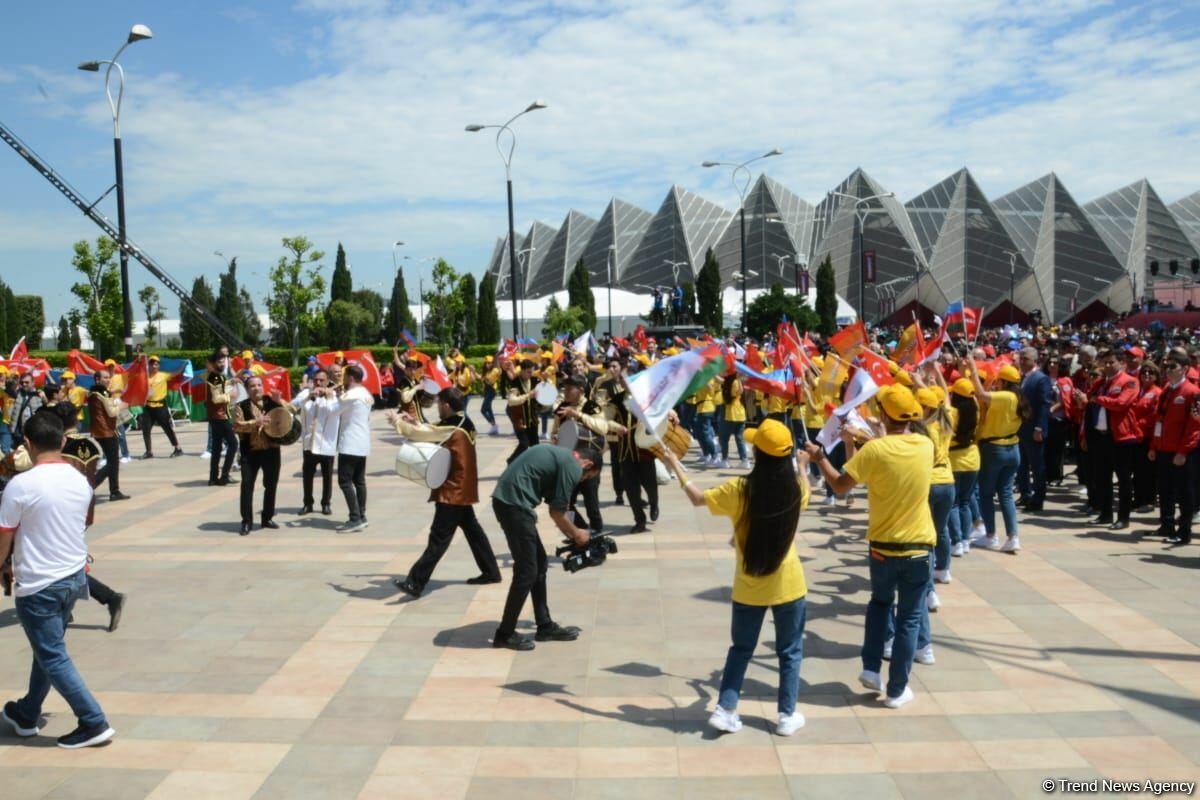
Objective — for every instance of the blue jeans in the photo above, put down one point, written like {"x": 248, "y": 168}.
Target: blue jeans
{"x": 687, "y": 417}
{"x": 44, "y": 618}
{"x": 704, "y": 432}
{"x": 121, "y": 441}
{"x": 733, "y": 429}
{"x": 962, "y": 516}
{"x": 941, "y": 503}
{"x": 997, "y": 468}
{"x": 5, "y": 439}
{"x": 489, "y": 394}
{"x": 1031, "y": 475}
{"x": 903, "y": 581}
{"x": 789, "y": 647}
{"x": 837, "y": 460}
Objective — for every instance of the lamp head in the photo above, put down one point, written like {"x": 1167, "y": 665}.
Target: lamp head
{"x": 775, "y": 152}
{"x": 139, "y": 32}
{"x": 474, "y": 128}
{"x": 397, "y": 244}
{"x": 708, "y": 164}
{"x": 535, "y": 105}
{"x": 90, "y": 66}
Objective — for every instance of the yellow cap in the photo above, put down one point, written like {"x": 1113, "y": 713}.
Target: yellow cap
{"x": 940, "y": 392}
{"x": 487, "y": 359}
{"x": 153, "y": 358}
{"x": 68, "y": 374}
{"x": 898, "y": 403}
{"x": 340, "y": 354}
{"x": 1008, "y": 373}
{"x": 109, "y": 362}
{"x": 247, "y": 354}
{"x": 3, "y": 370}
{"x": 927, "y": 397}
{"x": 772, "y": 437}
{"x": 903, "y": 377}
{"x": 963, "y": 387}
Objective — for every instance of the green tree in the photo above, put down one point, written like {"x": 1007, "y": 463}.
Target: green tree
{"x": 370, "y": 301}
{"x": 148, "y": 297}
{"x": 772, "y": 307}
{"x": 579, "y": 294}
{"x": 689, "y": 302}
{"x": 99, "y": 293}
{"x": 444, "y": 304}
{"x": 487, "y": 326}
{"x": 63, "y": 340}
{"x": 14, "y": 330}
{"x": 296, "y": 287}
{"x": 563, "y": 320}
{"x": 826, "y": 299}
{"x": 708, "y": 295}
{"x": 399, "y": 317}
{"x": 469, "y": 319}
{"x": 251, "y": 327}
{"x": 343, "y": 320}
{"x": 33, "y": 319}
{"x": 228, "y": 307}
{"x": 194, "y": 333}
{"x": 341, "y": 286}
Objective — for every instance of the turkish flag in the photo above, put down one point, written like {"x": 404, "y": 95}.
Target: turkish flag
{"x": 20, "y": 351}
{"x": 83, "y": 364}
{"x": 137, "y": 383}
{"x": 436, "y": 378}
{"x": 372, "y": 380}
{"x": 877, "y": 366}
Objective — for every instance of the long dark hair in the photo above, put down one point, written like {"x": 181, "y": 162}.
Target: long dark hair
{"x": 968, "y": 418}
{"x": 772, "y": 503}
{"x": 727, "y": 388}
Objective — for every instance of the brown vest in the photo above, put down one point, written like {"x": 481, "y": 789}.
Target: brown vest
{"x": 103, "y": 426}
{"x": 462, "y": 484}
{"x": 214, "y": 410}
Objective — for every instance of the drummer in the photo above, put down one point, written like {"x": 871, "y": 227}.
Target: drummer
{"x": 455, "y": 498}
{"x": 259, "y": 453}
{"x": 522, "y": 408}
{"x": 588, "y": 416}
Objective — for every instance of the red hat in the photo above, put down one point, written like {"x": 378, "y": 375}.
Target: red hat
{"x": 991, "y": 351}
{"x": 1136, "y": 352}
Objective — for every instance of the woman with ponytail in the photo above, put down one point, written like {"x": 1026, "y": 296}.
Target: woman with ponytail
{"x": 964, "y": 463}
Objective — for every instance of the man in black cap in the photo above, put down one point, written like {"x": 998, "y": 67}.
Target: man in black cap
{"x": 592, "y": 428}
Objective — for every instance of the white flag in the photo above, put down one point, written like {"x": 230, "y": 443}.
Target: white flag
{"x": 861, "y": 389}
{"x": 655, "y": 391}
{"x": 582, "y": 343}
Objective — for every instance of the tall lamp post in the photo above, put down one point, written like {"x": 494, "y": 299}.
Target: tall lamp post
{"x": 506, "y": 157}
{"x": 420, "y": 292}
{"x": 779, "y": 259}
{"x": 1012, "y": 282}
{"x": 136, "y": 34}
{"x": 608, "y": 264}
{"x": 523, "y": 258}
{"x": 862, "y": 210}
{"x": 741, "y": 176}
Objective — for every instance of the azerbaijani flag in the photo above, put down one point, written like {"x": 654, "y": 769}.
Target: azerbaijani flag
{"x": 655, "y": 391}
{"x": 778, "y": 383}
{"x": 967, "y": 318}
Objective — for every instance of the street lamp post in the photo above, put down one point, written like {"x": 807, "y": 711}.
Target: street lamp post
{"x": 420, "y": 292}
{"x": 507, "y": 159}
{"x": 779, "y": 259}
{"x": 1012, "y": 282}
{"x": 136, "y": 34}
{"x": 523, "y": 257}
{"x": 608, "y": 264}
{"x": 742, "y": 186}
{"x": 861, "y": 211}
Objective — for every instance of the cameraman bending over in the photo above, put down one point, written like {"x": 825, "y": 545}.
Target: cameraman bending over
{"x": 542, "y": 472}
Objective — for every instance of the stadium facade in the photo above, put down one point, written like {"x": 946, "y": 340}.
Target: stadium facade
{"x": 1032, "y": 252}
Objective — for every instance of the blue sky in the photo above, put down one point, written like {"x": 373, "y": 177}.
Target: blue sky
{"x": 343, "y": 119}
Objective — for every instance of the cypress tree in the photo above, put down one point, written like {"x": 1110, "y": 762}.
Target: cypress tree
{"x": 63, "y": 341}
{"x": 229, "y": 306}
{"x": 398, "y": 316}
{"x": 826, "y": 298}
{"x": 470, "y": 314}
{"x": 488, "y": 325}
{"x": 708, "y": 294}
{"x": 194, "y": 333}
{"x": 579, "y": 294}
{"x": 341, "y": 286}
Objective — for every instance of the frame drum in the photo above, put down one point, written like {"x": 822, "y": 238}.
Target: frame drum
{"x": 545, "y": 394}
{"x": 672, "y": 434}
{"x": 423, "y": 462}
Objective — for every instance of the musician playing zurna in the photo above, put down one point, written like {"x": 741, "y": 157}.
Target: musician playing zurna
{"x": 259, "y": 452}
{"x": 522, "y": 407}
{"x": 455, "y": 498}
{"x": 217, "y": 402}
{"x": 319, "y": 439}
{"x": 592, "y": 428}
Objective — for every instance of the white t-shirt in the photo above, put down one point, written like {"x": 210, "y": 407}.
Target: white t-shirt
{"x": 354, "y": 410}
{"x": 47, "y": 505}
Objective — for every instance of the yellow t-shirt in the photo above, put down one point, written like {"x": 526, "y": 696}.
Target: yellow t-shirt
{"x": 157, "y": 389}
{"x": 783, "y": 585}
{"x": 941, "y": 450}
{"x": 897, "y": 470}
{"x": 116, "y": 383}
{"x": 776, "y": 404}
{"x": 734, "y": 410}
{"x": 963, "y": 459}
{"x": 1002, "y": 420}
{"x": 704, "y": 400}
{"x": 78, "y": 397}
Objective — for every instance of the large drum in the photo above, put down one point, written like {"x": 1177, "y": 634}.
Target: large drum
{"x": 423, "y": 462}
{"x": 545, "y": 394}
{"x": 571, "y": 435}
{"x": 282, "y": 426}
{"x": 672, "y": 435}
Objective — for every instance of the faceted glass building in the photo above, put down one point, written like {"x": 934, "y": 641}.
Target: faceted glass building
{"x": 675, "y": 242}
{"x": 555, "y": 267}
{"x": 778, "y": 225}
{"x": 616, "y": 236}
{"x": 1187, "y": 212}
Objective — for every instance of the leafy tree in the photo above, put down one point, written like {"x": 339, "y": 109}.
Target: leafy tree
{"x": 469, "y": 320}
{"x": 341, "y": 287}
{"x": 148, "y": 297}
{"x": 370, "y": 301}
{"x": 563, "y": 320}
{"x": 487, "y": 328}
{"x": 579, "y": 294}
{"x": 100, "y": 294}
{"x": 708, "y": 295}
{"x": 63, "y": 339}
{"x": 194, "y": 333}
{"x": 399, "y": 317}
{"x": 343, "y": 320}
{"x": 33, "y": 318}
{"x": 771, "y": 307}
{"x": 826, "y": 299}
{"x": 296, "y": 286}
{"x": 13, "y": 327}
{"x": 445, "y": 304}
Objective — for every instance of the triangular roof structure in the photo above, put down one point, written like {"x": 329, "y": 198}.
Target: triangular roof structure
{"x": 623, "y": 225}
{"x": 778, "y": 223}
{"x": 968, "y": 248}
{"x": 555, "y": 267}
{"x": 899, "y": 257}
{"x": 537, "y": 242}
{"x": 683, "y": 230}
{"x": 1186, "y": 211}
{"x": 1069, "y": 257}
{"x": 499, "y": 266}
{"x": 1138, "y": 228}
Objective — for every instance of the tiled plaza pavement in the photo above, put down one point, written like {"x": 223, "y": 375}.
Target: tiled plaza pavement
{"x": 286, "y": 665}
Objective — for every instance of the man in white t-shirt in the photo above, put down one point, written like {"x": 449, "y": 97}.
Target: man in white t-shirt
{"x": 43, "y": 515}
{"x": 354, "y": 445}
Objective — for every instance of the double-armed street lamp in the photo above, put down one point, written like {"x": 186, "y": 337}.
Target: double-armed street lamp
{"x": 862, "y": 210}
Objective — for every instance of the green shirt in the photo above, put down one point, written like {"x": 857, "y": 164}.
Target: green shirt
{"x": 543, "y": 472}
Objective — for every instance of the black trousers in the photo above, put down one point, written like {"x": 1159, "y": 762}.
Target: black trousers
{"x": 1056, "y": 448}
{"x": 635, "y": 476}
{"x": 309, "y": 471}
{"x": 527, "y": 437}
{"x": 446, "y": 519}
{"x": 1145, "y": 478}
{"x": 529, "y": 567}
{"x": 352, "y": 480}
{"x": 618, "y": 487}
{"x": 1119, "y": 458}
{"x": 253, "y": 462}
{"x": 99, "y": 592}
{"x": 223, "y": 437}
{"x": 112, "y": 467}
{"x": 160, "y": 416}
{"x": 1176, "y": 491}
{"x": 1099, "y": 450}
{"x": 590, "y": 491}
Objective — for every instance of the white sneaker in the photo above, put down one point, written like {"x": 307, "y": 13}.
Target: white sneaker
{"x": 830, "y": 500}
{"x": 789, "y": 723}
{"x": 956, "y": 549}
{"x": 870, "y": 680}
{"x": 989, "y": 543}
{"x": 933, "y": 602}
{"x": 966, "y": 546}
{"x": 887, "y": 649}
{"x": 126, "y": 459}
{"x": 924, "y": 655}
{"x": 727, "y": 721}
{"x": 1011, "y": 545}
{"x": 102, "y": 463}
{"x": 206, "y": 454}
{"x": 941, "y": 575}
{"x": 978, "y": 531}
{"x": 905, "y": 697}
{"x": 723, "y": 464}
{"x": 744, "y": 464}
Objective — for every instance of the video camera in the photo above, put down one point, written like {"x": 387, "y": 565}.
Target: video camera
{"x": 593, "y": 554}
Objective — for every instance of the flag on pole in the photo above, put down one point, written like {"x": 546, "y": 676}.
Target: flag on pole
{"x": 777, "y": 383}
{"x": 655, "y": 391}
{"x": 583, "y": 344}
{"x": 82, "y": 364}
{"x": 911, "y": 347}
{"x": 966, "y": 318}
{"x": 408, "y": 339}
{"x": 137, "y": 382}
{"x": 436, "y": 378}
{"x": 19, "y": 352}
{"x": 861, "y": 389}
{"x": 877, "y": 366}
{"x": 849, "y": 339}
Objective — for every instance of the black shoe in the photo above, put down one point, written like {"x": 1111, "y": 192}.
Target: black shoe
{"x": 214, "y": 482}
{"x": 639, "y": 528}
{"x": 514, "y": 642}
{"x": 86, "y": 737}
{"x": 654, "y": 513}
{"x": 245, "y": 531}
{"x": 114, "y": 611}
{"x": 408, "y": 587}
{"x": 326, "y": 509}
{"x": 22, "y": 725}
{"x": 177, "y": 452}
{"x": 1119, "y": 525}
{"x": 480, "y": 580}
{"x": 270, "y": 523}
{"x": 1177, "y": 541}
{"x": 557, "y": 633}
{"x": 147, "y": 455}
{"x": 115, "y": 496}
{"x": 1101, "y": 520}
{"x": 223, "y": 480}
{"x": 1161, "y": 530}
{"x": 620, "y": 500}
{"x": 308, "y": 509}
{"x": 1031, "y": 506}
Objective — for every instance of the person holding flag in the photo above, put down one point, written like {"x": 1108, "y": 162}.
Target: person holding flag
{"x": 999, "y": 458}
{"x": 156, "y": 411}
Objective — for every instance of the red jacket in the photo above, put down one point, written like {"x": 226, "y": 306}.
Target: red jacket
{"x": 1146, "y": 410}
{"x": 1176, "y": 430}
{"x": 1117, "y": 396}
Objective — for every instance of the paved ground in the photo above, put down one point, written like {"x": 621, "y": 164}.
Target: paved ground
{"x": 286, "y": 665}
